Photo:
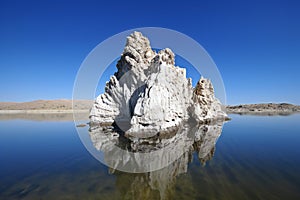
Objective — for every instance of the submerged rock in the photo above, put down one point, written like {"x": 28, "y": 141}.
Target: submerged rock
{"x": 152, "y": 95}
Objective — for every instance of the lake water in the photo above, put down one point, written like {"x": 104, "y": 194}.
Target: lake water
{"x": 255, "y": 157}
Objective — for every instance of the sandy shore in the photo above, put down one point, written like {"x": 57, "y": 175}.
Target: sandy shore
{"x": 44, "y": 115}
{"x": 40, "y": 111}
{"x": 46, "y": 110}
{"x": 59, "y": 104}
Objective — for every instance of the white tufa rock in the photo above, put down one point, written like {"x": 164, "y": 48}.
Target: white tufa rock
{"x": 152, "y": 94}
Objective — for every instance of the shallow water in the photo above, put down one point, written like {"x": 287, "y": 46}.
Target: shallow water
{"x": 254, "y": 158}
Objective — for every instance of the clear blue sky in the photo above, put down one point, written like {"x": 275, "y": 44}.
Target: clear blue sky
{"x": 255, "y": 44}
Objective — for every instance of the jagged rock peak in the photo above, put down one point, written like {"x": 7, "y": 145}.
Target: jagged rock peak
{"x": 167, "y": 56}
{"x": 137, "y": 41}
{"x": 136, "y": 54}
{"x": 138, "y": 47}
{"x": 203, "y": 85}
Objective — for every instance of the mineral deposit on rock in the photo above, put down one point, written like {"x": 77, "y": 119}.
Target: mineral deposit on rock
{"x": 151, "y": 95}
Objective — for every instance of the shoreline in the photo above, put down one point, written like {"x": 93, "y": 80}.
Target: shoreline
{"x": 44, "y": 115}
{"x": 51, "y": 107}
{"x": 42, "y": 111}
{"x": 265, "y": 109}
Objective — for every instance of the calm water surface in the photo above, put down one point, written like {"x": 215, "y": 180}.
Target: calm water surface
{"x": 254, "y": 158}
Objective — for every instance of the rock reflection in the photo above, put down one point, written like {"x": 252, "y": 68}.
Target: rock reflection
{"x": 189, "y": 140}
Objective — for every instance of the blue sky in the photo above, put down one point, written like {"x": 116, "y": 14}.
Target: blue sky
{"x": 255, "y": 44}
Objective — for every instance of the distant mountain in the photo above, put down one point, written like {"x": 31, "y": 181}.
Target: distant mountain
{"x": 264, "y": 109}
{"x": 61, "y": 104}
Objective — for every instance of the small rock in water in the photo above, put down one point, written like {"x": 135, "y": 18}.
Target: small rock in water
{"x": 80, "y": 125}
